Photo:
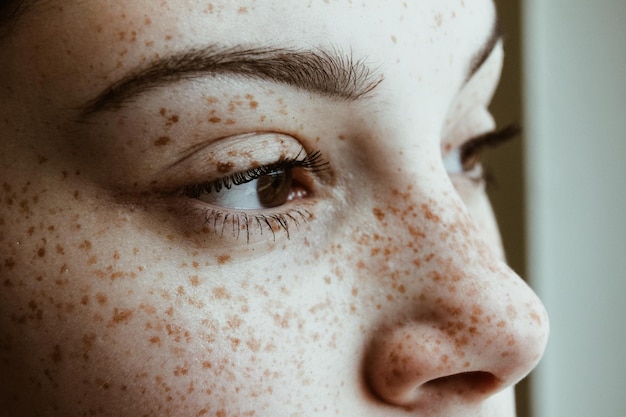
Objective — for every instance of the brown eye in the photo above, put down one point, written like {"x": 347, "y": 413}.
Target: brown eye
{"x": 261, "y": 187}
{"x": 273, "y": 189}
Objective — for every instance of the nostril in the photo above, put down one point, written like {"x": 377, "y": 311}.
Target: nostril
{"x": 466, "y": 384}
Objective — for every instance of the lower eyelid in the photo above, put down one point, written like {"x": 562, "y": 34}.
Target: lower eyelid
{"x": 248, "y": 226}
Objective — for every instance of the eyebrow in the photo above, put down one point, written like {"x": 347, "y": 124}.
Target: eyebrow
{"x": 328, "y": 73}
{"x": 484, "y": 53}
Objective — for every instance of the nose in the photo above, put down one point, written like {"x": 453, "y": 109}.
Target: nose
{"x": 468, "y": 327}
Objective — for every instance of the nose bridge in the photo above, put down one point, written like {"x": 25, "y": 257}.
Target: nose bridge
{"x": 467, "y": 325}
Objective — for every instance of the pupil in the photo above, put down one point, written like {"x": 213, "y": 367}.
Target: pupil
{"x": 273, "y": 189}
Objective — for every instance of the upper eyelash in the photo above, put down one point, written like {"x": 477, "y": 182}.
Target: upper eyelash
{"x": 472, "y": 148}
{"x": 312, "y": 162}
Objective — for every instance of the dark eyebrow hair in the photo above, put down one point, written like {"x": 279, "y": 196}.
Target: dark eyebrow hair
{"x": 485, "y": 52}
{"x": 328, "y": 73}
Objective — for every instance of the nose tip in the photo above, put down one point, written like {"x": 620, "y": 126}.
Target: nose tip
{"x": 433, "y": 361}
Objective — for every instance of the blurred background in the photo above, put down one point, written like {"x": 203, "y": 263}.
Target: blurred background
{"x": 560, "y": 194}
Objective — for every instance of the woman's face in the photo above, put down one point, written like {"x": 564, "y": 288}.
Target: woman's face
{"x": 254, "y": 208}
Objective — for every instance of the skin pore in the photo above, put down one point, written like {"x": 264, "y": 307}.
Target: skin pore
{"x": 145, "y": 270}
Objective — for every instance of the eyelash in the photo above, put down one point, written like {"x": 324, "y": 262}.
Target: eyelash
{"x": 471, "y": 150}
{"x": 217, "y": 218}
{"x": 312, "y": 162}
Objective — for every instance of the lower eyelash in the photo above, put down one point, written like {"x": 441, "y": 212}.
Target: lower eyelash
{"x": 221, "y": 221}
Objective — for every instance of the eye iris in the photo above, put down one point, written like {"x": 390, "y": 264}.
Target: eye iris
{"x": 274, "y": 188}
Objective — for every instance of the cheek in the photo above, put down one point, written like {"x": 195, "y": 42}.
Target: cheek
{"x": 90, "y": 311}
{"x": 478, "y": 206}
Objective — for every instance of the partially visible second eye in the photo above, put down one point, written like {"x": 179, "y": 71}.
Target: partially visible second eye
{"x": 465, "y": 160}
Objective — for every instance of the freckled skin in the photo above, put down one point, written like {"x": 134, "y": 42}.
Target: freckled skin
{"x": 386, "y": 295}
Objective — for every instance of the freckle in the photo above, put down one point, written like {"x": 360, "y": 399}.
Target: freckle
{"x": 215, "y": 119}
{"x": 355, "y": 291}
{"x": 168, "y": 37}
{"x": 147, "y": 21}
{"x": 85, "y": 300}
{"x": 101, "y": 298}
{"x": 501, "y": 323}
{"x": 162, "y": 141}
{"x": 402, "y": 289}
{"x": 222, "y": 259}
{"x": 155, "y": 340}
{"x": 224, "y": 167}
{"x": 380, "y": 215}
{"x": 85, "y": 245}
{"x": 207, "y": 365}
{"x": 393, "y": 39}
{"x": 229, "y": 122}
{"x": 121, "y": 316}
{"x": 221, "y": 293}
{"x": 92, "y": 260}
{"x": 389, "y": 297}
{"x": 536, "y": 317}
{"x": 170, "y": 311}
{"x": 41, "y": 252}
{"x": 511, "y": 311}
{"x": 254, "y": 104}
{"x": 195, "y": 281}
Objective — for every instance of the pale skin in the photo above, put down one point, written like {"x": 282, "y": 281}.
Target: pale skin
{"x": 123, "y": 296}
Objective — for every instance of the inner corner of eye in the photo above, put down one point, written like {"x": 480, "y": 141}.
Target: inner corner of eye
{"x": 452, "y": 161}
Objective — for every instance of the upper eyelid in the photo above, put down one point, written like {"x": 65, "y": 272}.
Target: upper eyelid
{"x": 489, "y": 140}
{"x": 312, "y": 161}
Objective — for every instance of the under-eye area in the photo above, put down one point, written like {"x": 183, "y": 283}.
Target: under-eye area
{"x": 245, "y": 225}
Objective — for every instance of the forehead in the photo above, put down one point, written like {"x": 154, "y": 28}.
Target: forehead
{"x": 283, "y": 19}
{"x": 409, "y": 33}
